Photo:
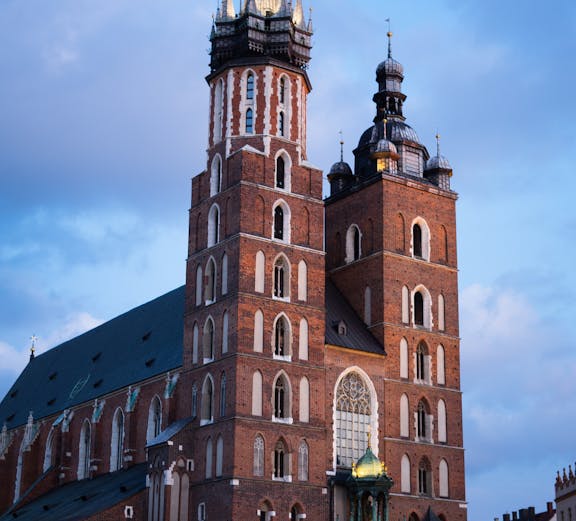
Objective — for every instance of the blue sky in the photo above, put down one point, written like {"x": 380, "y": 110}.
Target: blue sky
{"x": 103, "y": 121}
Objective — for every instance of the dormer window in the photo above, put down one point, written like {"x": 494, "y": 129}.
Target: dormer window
{"x": 342, "y": 328}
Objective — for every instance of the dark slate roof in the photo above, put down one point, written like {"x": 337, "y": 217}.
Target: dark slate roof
{"x": 142, "y": 343}
{"x": 79, "y": 500}
{"x": 358, "y": 336}
{"x": 170, "y": 431}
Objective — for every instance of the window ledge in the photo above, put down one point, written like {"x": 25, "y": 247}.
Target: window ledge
{"x": 281, "y": 299}
{"x": 207, "y": 361}
{"x": 287, "y": 421}
{"x": 206, "y": 422}
{"x": 282, "y": 358}
{"x": 285, "y": 479}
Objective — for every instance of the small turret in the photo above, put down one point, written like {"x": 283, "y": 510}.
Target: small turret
{"x": 438, "y": 169}
{"x": 385, "y": 154}
{"x": 340, "y": 175}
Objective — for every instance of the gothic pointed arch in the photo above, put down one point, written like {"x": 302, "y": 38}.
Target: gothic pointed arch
{"x": 283, "y": 171}
{"x": 216, "y": 175}
{"x": 117, "y": 441}
{"x": 207, "y": 404}
{"x": 282, "y": 338}
{"x": 282, "y": 398}
{"x": 154, "y": 419}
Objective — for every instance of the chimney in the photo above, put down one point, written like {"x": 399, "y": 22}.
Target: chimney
{"x": 531, "y": 513}
{"x": 550, "y": 507}
{"x": 514, "y": 516}
{"x": 523, "y": 514}
{"x": 506, "y": 517}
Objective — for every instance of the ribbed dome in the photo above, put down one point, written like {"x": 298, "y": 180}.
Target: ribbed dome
{"x": 390, "y": 66}
{"x": 438, "y": 162}
{"x": 369, "y": 466}
{"x": 399, "y": 131}
{"x": 340, "y": 169}
{"x": 386, "y": 146}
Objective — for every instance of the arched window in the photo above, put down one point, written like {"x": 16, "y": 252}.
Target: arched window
{"x": 422, "y": 363}
{"x": 422, "y": 308}
{"x": 282, "y": 90}
{"x": 353, "y": 243}
{"x": 117, "y": 442}
{"x": 84, "y": 451}
{"x": 443, "y": 478}
{"x": 417, "y": 240}
{"x": 195, "y": 342}
{"x": 258, "y": 456}
{"x": 302, "y": 281}
{"x": 219, "y": 456}
{"x": 280, "y": 460}
{"x": 50, "y": 450}
{"x": 424, "y": 478}
{"x": 367, "y": 306}
{"x": 209, "y": 458}
{"x": 259, "y": 272}
{"x": 280, "y": 172}
{"x": 216, "y": 175}
{"x": 282, "y": 338}
{"x": 442, "y": 421}
{"x": 218, "y": 110}
{"x": 154, "y": 419}
{"x": 282, "y": 278}
{"x": 303, "y": 340}
{"x": 250, "y": 86}
{"x": 225, "y": 274}
{"x": 199, "y": 284}
{"x": 207, "y": 414}
{"x": 405, "y": 305}
{"x": 405, "y": 474}
{"x": 225, "y": 321}
{"x": 279, "y": 223}
{"x": 400, "y": 234}
{"x": 404, "y": 417}
{"x": 423, "y": 422}
{"x": 420, "y": 239}
{"x": 208, "y": 341}
{"x": 257, "y": 394}
{"x": 213, "y": 226}
{"x": 403, "y": 358}
{"x": 210, "y": 290}
{"x": 352, "y": 419}
{"x": 282, "y": 399}
{"x": 223, "y": 395}
{"x": 303, "y": 461}
{"x": 194, "y": 401}
{"x": 441, "y": 323}
{"x": 304, "y": 400}
{"x": 249, "y": 121}
{"x": 281, "y": 124}
{"x": 440, "y": 366}
{"x": 258, "y": 332}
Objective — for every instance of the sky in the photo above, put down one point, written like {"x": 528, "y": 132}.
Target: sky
{"x": 103, "y": 122}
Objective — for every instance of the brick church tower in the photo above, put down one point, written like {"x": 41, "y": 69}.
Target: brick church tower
{"x": 254, "y": 322}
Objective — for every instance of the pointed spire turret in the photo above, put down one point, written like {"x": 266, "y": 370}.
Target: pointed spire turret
{"x": 226, "y": 11}
{"x": 298, "y": 15}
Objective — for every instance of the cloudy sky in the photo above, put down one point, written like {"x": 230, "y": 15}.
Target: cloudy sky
{"x": 103, "y": 121}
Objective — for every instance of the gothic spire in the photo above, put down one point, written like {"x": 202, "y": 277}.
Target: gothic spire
{"x": 298, "y": 16}
{"x": 227, "y": 11}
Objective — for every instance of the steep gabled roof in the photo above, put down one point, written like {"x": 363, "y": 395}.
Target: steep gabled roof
{"x": 357, "y": 336}
{"x": 142, "y": 343}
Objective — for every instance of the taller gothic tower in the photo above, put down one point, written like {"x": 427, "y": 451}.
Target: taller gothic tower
{"x": 254, "y": 324}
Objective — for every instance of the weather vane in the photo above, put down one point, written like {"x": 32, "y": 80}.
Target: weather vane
{"x": 341, "y": 146}
{"x": 33, "y": 340}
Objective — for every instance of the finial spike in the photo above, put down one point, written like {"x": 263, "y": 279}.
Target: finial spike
{"x": 384, "y": 126}
{"x": 341, "y": 147}
{"x": 33, "y": 340}
{"x": 437, "y": 144}
{"x": 389, "y": 34}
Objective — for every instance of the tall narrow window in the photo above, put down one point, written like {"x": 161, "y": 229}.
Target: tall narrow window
{"x": 279, "y": 223}
{"x": 257, "y": 394}
{"x": 280, "y": 172}
{"x": 443, "y": 479}
{"x": 302, "y": 281}
{"x": 440, "y": 366}
{"x": 258, "y": 456}
{"x": 441, "y": 323}
{"x": 195, "y": 343}
{"x": 210, "y": 290}
{"x": 422, "y": 363}
{"x": 259, "y": 272}
{"x": 250, "y": 86}
{"x": 279, "y": 460}
{"x": 258, "y": 332}
{"x": 194, "y": 401}
{"x": 199, "y": 285}
{"x": 213, "y": 226}
{"x": 417, "y": 238}
{"x": 424, "y": 478}
{"x": 303, "y": 461}
{"x": 50, "y": 450}
{"x": 442, "y": 421}
{"x": 154, "y": 419}
{"x": 422, "y": 427}
{"x": 209, "y": 458}
{"x": 405, "y": 305}
{"x": 208, "y": 341}
{"x": 281, "y": 124}
{"x": 418, "y": 309}
{"x": 218, "y": 109}
{"x": 117, "y": 443}
{"x": 282, "y": 337}
{"x": 207, "y": 415}
{"x": 304, "y": 400}
{"x": 84, "y": 451}
{"x": 403, "y": 358}
{"x": 223, "y": 395}
{"x": 404, "y": 417}
{"x": 353, "y": 244}
{"x": 405, "y": 474}
{"x": 282, "y": 398}
{"x": 224, "y": 274}
{"x": 281, "y": 278}
{"x": 225, "y": 320}
{"x": 249, "y": 121}
{"x": 219, "y": 456}
{"x": 282, "y": 90}
{"x": 216, "y": 175}
{"x": 303, "y": 340}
